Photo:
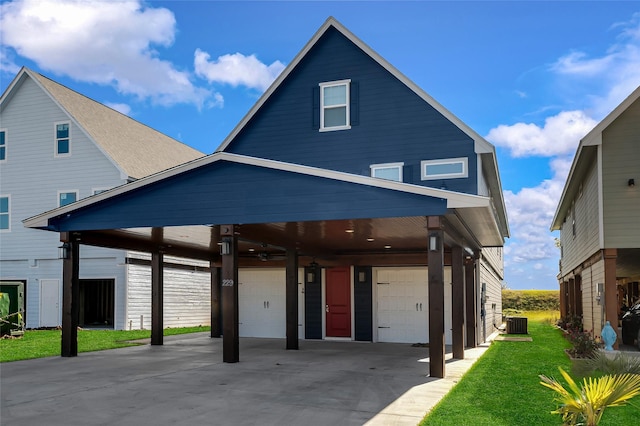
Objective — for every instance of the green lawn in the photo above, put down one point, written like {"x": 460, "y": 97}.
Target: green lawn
{"x": 43, "y": 343}
{"x": 502, "y": 388}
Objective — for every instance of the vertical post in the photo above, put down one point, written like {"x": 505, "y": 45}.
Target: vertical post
{"x": 610, "y": 289}
{"x": 470, "y": 295}
{"x": 230, "y": 318}
{"x": 457, "y": 301}
{"x": 216, "y": 329}
{"x": 436, "y": 296}
{"x": 157, "y": 302}
{"x": 571, "y": 299}
{"x": 292, "y": 298}
{"x": 563, "y": 299}
{"x": 70, "y": 296}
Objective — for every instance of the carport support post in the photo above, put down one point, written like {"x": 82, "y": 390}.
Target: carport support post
{"x": 216, "y": 330}
{"x": 457, "y": 301}
{"x": 436, "y": 296}
{"x": 470, "y": 300}
{"x": 230, "y": 319}
{"x": 292, "y": 299}
{"x": 157, "y": 278}
{"x": 70, "y": 295}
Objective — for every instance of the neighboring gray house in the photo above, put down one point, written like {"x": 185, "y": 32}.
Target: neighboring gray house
{"x": 58, "y": 146}
{"x": 598, "y": 216}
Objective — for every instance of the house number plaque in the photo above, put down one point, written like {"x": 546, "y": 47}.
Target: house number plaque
{"x": 227, "y": 283}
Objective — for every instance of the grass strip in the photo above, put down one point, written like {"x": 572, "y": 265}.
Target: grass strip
{"x": 503, "y": 387}
{"x": 43, "y": 343}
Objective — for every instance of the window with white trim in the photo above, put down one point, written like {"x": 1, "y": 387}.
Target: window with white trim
{"x": 63, "y": 140}
{"x": 448, "y": 168}
{"x": 389, "y": 171}
{"x": 5, "y": 215}
{"x": 67, "y": 197}
{"x": 334, "y": 105}
{"x": 97, "y": 191}
{"x": 3, "y": 145}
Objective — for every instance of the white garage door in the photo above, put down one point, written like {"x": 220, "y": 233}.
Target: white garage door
{"x": 261, "y": 303}
{"x": 403, "y": 305}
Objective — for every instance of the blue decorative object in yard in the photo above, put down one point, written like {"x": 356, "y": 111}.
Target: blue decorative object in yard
{"x": 609, "y": 336}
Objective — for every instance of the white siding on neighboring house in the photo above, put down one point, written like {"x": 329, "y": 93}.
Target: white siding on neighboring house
{"x": 187, "y": 294}
{"x": 581, "y": 244}
{"x": 621, "y": 162}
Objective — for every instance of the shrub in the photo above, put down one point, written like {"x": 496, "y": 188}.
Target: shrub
{"x": 584, "y": 345}
{"x": 620, "y": 364}
{"x": 531, "y": 300}
{"x": 571, "y": 324}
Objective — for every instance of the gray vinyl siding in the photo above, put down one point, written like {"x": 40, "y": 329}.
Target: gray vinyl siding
{"x": 575, "y": 249}
{"x": 621, "y": 162}
{"x": 593, "y": 313}
{"x": 493, "y": 303}
{"x": 32, "y": 176}
{"x": 494, "y": 257}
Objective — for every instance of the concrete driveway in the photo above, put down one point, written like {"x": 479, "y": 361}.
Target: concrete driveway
{"x": 185, "y": 382}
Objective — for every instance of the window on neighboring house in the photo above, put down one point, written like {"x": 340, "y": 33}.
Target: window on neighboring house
{"x": 63, "y": 140}
{"x": 5, "y": 218}
{"x": 334, "y": 105}
{"x": 3, "y": 144}
{"x": 97, "y": 191}
{"x": 449, "y": 168}
{"x": 67, "y": 197}
{"x": 390, "y": 171}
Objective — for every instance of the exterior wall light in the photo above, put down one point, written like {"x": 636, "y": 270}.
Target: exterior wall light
{"x": 434, "y": 243}
{"x": 64, "y": 251}
{"x": 631, "y": 182}
{"x": 225, "y": 247}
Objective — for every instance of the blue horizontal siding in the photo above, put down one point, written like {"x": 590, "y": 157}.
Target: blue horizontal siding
{"x": 225, "y": 192}
{"x": 394, "y": 123}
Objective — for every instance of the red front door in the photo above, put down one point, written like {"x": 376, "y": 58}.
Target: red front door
{"x": 338, "y": 308}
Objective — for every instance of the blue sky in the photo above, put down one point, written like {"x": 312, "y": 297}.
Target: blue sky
{"x": 532, "y": 77}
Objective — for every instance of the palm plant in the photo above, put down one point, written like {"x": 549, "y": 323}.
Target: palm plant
{"x": 585, "y": 405}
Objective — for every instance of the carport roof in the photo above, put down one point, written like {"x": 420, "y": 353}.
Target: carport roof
{"x": 401, "y": 216}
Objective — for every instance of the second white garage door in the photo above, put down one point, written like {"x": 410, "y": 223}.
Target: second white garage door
{"x": 403, "y": 305}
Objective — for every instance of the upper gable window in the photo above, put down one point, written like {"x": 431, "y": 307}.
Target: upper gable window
{"x": 3, "y": 144}
{"x": 389, "y": 171}
{"x": 450, "y": 168}
{"x": 63, "y": 140}
{"x": 5, "y": 222}
{"x": 334, "y": 105}
{"x": 67, "y": 197}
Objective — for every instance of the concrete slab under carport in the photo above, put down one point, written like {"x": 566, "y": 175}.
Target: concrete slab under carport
{"x": 185, "y": 382}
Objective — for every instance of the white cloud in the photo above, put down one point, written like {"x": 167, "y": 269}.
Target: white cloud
{"x": 236, "y": 69}
{"x": 101, "y": 42}
{"x": 617, "y": 71}
{"x": 559, "y": 135}
{"x": 600, "y": 84}
{"x": 122, "y": 108}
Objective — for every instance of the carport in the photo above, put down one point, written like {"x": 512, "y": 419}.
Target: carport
{"x": 237, "y": 211}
